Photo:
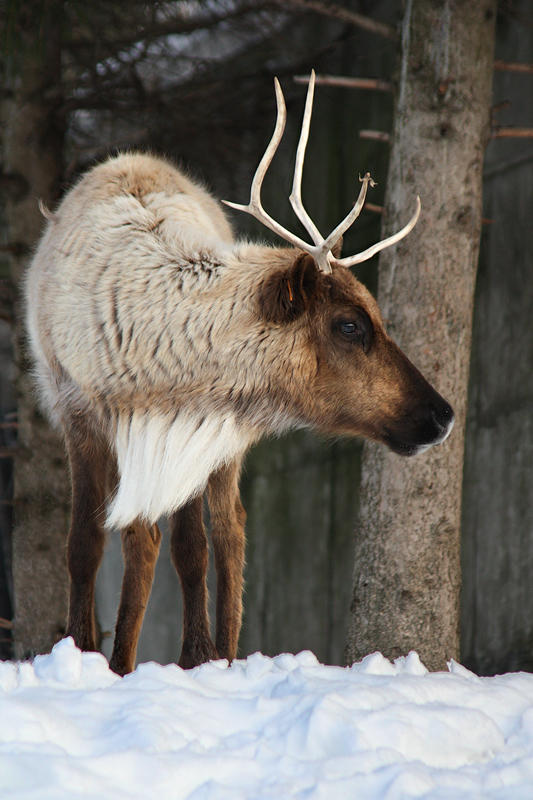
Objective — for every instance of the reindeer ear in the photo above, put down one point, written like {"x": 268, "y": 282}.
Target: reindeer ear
{"x": 337, "y": 248}
{"x": 286, "y": 294}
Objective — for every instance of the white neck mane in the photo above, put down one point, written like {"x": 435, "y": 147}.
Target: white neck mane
{"x": 164, "y": 461}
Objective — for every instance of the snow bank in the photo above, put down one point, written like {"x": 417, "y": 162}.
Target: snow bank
{"x": 264, "y": 728}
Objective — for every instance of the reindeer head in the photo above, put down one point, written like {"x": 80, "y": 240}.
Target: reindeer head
{"x": 354, "y": 379}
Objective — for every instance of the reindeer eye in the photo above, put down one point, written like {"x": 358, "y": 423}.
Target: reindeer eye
{"x": 357, "y": 330}
{"x": 348, "y": 329}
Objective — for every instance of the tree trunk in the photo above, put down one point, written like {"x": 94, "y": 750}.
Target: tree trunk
{"x": 32, "y": 156}
{"x": 407, "y": 555}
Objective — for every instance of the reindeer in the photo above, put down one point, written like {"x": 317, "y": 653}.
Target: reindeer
{"x": 163, "y": 349}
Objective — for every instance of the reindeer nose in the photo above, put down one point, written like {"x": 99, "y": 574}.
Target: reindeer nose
{"x": 443, "y": 418}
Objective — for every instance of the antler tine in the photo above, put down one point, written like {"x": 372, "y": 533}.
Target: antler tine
{"x": 321, "y": 249}
{"x": 255, "y": 191}
{"x": 350, "y": 218}
{"x": 295, "y": 197}
{"x": 350, "y": 261}
{"x": 255, "y": 207}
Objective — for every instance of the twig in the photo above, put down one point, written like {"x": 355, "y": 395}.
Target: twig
{"x": 512, "y": 133}
{"x": 509, "y": 66}
{"x": 350, "y": 83}
{"x": 8, "y": 425}
{"x": 378, "y": 136}
{"x": 345, "y": 15}
{"x": 500, "y": 107}
{"x": 6, "y": 623}
{"x": 15, "y": 248}
{"x": 373, "y": 207}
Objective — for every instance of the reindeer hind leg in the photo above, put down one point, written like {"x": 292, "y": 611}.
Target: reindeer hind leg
{"x": 89, "y": 461}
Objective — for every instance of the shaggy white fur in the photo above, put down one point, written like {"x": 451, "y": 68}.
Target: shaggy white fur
{"x": 165, "y": 461}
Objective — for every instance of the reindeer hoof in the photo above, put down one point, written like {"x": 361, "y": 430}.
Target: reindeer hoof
{"x": 195, "y": 653}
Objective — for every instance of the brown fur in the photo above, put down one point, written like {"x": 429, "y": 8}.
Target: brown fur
{"x": 140, "y": 547}
{"x": 190, "y": 557}
{"x": 227, "y": 529}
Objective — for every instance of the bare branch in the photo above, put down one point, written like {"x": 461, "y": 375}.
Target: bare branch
{"x": 350, "y": 83}
{"x": 17, "y": 249}
{"x": 177, "y": 24}
{"x": 500, "y": 106}
{"x": 509, "y": 66}
{"x": 512, "y": 133}
{"x": 374, "y": 208}
{"x": 343, "y": 14}
{"x": 378, "y": 136}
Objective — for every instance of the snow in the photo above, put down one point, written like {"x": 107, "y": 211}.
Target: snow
{"x": 262, "y": 729}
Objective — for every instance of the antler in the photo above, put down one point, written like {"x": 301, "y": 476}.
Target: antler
{"x": 321, "y": 249}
